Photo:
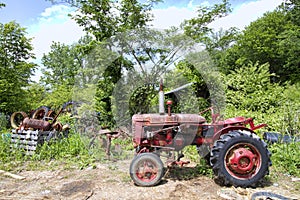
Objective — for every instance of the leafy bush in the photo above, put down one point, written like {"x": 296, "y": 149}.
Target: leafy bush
{"x": 285, "y": 158}
{"x": 251, "y": 94}
{"x": 202, "y": 166}
{"x": 72, "y": 150}
{"x": 3, "y": 121}
{"x": 250, "y": 89}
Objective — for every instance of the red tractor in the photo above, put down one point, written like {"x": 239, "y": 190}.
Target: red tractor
{"x": 237, "y": 155}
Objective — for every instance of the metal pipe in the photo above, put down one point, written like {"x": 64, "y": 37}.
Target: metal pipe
{"x": 161, "y": 98}
{"x": 169, "y": 103}
{"x": 280, "y": 138}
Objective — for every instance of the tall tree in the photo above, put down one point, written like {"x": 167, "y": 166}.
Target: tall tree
{"x": 152, "y": 54}
{"x": 272, "y": 39}
{"x": 61, "y": 67}
{"x": 104, "y": 19}
{"x": 15, "y": 67}
{"x": 292, "y": 8}
{"x": 218, "y": 43}
{"x": 197, "y": 27}
{"x": 199, "y": 67}
{"x": 62, "y": 63}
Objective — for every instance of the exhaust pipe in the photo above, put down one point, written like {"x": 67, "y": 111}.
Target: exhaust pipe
{"x": 161, "y": 98}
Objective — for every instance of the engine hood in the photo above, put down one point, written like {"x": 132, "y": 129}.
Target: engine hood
{"x": 162, "y": 119}
{"x": 186, "y": 118}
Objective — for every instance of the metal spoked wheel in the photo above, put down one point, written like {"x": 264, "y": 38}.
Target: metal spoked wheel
{"x": 16, "y": 119}
{"x": 40, "y": 113}
{"x": 146, "y": 169}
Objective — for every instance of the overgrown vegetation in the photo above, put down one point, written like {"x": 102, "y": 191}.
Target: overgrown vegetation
{"x": 285, "y": 158}
{"x": 258, "y": 66}
{"x": 75, "y": 151}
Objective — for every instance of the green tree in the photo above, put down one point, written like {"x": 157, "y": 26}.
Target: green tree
{"x": 217, "y": 45}
{"x": 101, "y": 20}
{"x": 15, "y": 67}
{"x": 274, "y": 39}
{"x": 35, "y": 95}
{"x": 197, "y": 28}
{"x": 150, "y": 54}
{"x": 249, "y": 88}
{"x": 61, "y": 67}
{"x": 292, "y": 8}
{"x": 158, "y": 50}
{"x": 61, "y": 64}
{"x": 198, "y": 68}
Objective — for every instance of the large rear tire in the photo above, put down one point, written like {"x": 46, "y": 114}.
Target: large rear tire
{"x": 146, "y": 169}
{"x": 240, "y": 158}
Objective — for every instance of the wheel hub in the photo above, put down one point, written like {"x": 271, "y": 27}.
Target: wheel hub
{"x": 242, "y": 161}
{"x": 147, "y": 172}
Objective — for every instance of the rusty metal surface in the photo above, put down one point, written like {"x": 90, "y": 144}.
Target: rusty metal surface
{"x": 160, "y": 119}
{"x": 190, "y": 118}
{"x": 35, "y": 124}
{"x": 154, "y": 118}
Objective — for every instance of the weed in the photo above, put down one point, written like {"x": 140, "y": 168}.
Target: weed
{"x": 285, "y": 158}
{"x": 112, "y": 167}
{"x": 125, "y": 178}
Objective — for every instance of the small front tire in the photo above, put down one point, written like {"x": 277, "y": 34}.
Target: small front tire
{"x": 146, "y": 169}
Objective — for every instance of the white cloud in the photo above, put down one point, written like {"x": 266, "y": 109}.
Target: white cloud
{"x": 246, "y": 13}
{"x": 241, "y": 16}
{"x": 172, "y": 16}
{"x": 205, "y": 3}
{"x": 54, "y": 24}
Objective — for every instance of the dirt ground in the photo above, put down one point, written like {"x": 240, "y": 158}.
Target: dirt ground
{"x": 111, "y": 180}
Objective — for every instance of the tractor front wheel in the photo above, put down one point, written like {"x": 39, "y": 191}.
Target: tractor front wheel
{"x": 146, "y": 169}
{"x": 240, "y": 158}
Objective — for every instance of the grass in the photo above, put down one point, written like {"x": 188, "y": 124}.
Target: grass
{"x": 71, "y": 152}
{"x": 202, "y": 167}
{"x": 74, "y": 153}
{"x": 286, "y": 158}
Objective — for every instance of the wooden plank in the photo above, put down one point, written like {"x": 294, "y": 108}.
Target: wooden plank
{"x": 25, "y": 132}
{"x": 15, "y": 176}
{"x": 28, "y": 142}
{"x": 25, "y": 147}
{"x": 24, "y": 137}
{"x": 47, "y": 133}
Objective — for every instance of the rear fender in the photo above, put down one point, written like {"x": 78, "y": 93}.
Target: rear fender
{"x": 227, "y": 129}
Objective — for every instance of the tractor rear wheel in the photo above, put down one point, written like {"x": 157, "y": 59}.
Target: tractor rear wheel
{"x": 240, "y": 158}
{"x": 146, "y": 169}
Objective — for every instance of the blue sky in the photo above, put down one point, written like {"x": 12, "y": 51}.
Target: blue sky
{"x": 46, "y": 22}
{"x": 23, "y": 11}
